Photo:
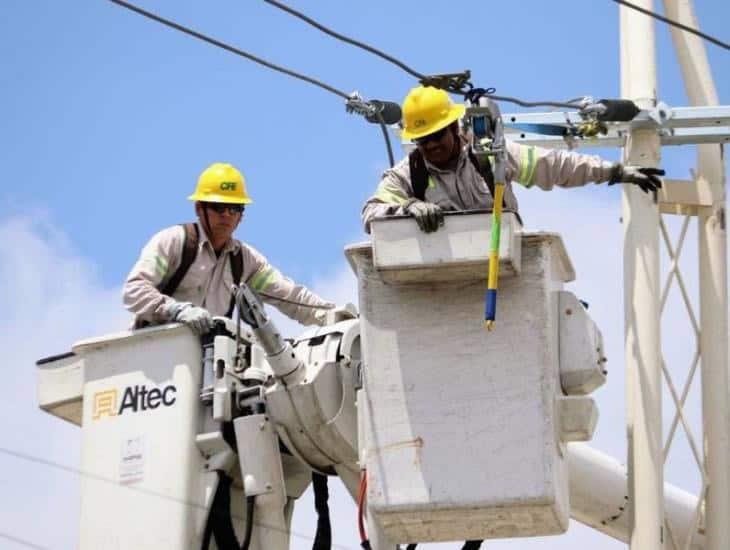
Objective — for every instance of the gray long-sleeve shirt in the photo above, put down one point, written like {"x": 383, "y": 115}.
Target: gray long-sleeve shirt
{"x": 208, "y": 281}
{"x": 463, "y": 188}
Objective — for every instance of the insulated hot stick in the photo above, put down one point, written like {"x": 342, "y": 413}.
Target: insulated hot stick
{"x": 489, "y": 128}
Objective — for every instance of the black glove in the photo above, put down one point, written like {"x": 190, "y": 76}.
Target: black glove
{"x": 645, "y": 178}
{"x": 429, "y": 216}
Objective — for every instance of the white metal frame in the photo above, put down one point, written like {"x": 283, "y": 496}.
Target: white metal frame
{"x": 707, "y": 124}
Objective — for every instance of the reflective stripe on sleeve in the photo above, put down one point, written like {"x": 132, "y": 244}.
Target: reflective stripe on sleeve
{"x": 160, "y": 266}
{"x": 528, "y": 164}
{"x": 388, "y": 196}
{"x": 263, "y": 278}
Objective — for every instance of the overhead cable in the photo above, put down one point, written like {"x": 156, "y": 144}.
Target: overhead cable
{"x": 21, "y": 542}
{"x": 463, "y": 86}
{"x": 230, "y": 48}
{"x": 354, "y": 103}
{"x": 488, "y": 93}
{"x": 674, "y": 23}
{"x": 138, "y": 490}
{"x": 347, "y": 39}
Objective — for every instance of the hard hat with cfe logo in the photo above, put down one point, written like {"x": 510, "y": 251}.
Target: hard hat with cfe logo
{"x": 221, "y": 182}
{"x": 427, "y": 110}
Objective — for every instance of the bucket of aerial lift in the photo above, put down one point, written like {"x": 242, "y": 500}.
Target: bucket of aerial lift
{"x": 463, "y": 431}
{"x": 136, "y": 396}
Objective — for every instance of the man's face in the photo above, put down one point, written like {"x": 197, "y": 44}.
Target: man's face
{"x": 223, "y": 219}
{"x": 438, "y": 148}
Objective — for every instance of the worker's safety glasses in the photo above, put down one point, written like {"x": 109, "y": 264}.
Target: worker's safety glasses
{"x": 436, "y": 136}
{"x": 220, "y": 208}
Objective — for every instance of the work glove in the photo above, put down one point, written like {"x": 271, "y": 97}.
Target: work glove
{"x": 429, "y": 216}
{"x": 197, "y": 318}
{"x": 340, "y": 313}
{"x": 646, "y": 178}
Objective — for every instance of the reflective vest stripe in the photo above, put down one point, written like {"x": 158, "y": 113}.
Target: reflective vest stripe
{"x": 262, "y": 279}
{"x": 528, "y": 164}
{"x": 161, "y": 265}
{"x": 389, "y": 197}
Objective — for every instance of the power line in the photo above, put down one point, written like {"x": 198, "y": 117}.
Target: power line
{"x": 674, "y": 23}
{"x": 354, "y": 102}
{"x": 45, "y": 462}
{"x": 424, "y": 79}
{"x": 232, "y": 49}
{"x": 22, "y": 542}
{"x": 347, "y": 39}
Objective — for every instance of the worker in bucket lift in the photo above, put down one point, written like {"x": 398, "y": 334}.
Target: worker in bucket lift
{"x": 185, "y": 272}
{"x": 442, "y": 174}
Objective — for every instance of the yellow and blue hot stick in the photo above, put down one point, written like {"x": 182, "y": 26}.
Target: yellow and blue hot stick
{"x": 490, "y": 305}
{"x": 497, "y": 149}
{"x": 485, "y": 121}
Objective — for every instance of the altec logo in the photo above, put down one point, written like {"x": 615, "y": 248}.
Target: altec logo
{"x": 134, "y": 399}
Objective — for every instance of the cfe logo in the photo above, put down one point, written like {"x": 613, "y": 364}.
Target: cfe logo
{"x": 134, "y": 399}
{"x": 228, "y": 186}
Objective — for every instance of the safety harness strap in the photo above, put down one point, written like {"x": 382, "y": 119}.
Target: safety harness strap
{"x": 485, "y": 170}
{"x": 189, "y": 253}
{"x": 237, "y": 272}
{"x": 419, "y": 173}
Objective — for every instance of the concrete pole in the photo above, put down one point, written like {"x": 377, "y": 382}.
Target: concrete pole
{"x": 713, "y": 286}
{"x": 641, "y": 294}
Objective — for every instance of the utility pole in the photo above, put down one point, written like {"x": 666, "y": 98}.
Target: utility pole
{"x": 642, "y": 293}
{"x": 712, "y": 231}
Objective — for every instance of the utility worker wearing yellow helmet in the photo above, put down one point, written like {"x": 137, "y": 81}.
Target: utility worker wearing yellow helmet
{"x": 185, "y": 272}
{"x": 454, "y": 180}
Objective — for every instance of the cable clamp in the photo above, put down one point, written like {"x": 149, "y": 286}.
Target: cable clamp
{"x": 457, "y": 83}
{"x": 356, "y": 104}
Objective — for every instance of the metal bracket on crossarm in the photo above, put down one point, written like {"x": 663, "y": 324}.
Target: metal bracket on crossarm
{"x": 675, "y": 126}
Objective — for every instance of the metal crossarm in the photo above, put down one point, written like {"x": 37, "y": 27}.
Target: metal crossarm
{"x": 675, "y": 126}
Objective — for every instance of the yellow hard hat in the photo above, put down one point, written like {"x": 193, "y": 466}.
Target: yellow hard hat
{"x": 427, "y": 110}
{"x": 221, "y": 182}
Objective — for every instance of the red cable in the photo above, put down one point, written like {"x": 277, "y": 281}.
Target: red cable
{"x": 360, "y": 502}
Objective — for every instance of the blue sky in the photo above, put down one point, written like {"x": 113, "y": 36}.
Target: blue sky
{"x": 108, "y": 118}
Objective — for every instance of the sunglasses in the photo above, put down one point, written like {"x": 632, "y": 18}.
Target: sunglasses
{"x": 436, "y": 136}
{"x": 220, "y": 208}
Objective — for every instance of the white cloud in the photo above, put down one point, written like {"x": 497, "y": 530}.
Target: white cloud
{"x": 49, "y": 298}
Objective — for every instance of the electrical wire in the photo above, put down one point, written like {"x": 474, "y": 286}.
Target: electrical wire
{"x": 517, "y": 101}
{"x": 293, "y": 302}
{"x": 22, "y": 542}
{"x": 421, "y": 77}
{"x": 232, "y": 49}
{"x": 318, "y": 83}
{"x": 250, "y": 503}
{"x": 48, "y": 463}
{"x": 364, "y": 541}
{"x": 674, "y": 23}
{"x": 381, "y": 123}
{"x": 347, "y": 39}
{"x": 172, "y": 24}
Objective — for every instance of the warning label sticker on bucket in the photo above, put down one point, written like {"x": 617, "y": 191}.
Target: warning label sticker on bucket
{"x": 131, "y": 465}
